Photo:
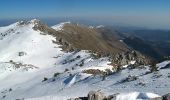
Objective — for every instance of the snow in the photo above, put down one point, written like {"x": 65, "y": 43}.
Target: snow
{"x": 36, "y": 47}
{"x": 125, "y": 66}
{"x": 162, "y": 64}
{"x": 121, "y": 40}
{"x": 48, "y": 59}
{"x": 91, "y": 27}
{"x": 136, "y": 96}
{"x": 100, "y": 26}
{"x": 132, "y": 62}
{"x": 59, "y": 27}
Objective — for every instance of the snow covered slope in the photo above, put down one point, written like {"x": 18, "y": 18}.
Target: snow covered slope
{"x": 33, "y": 67}
{"x": 22, "y": 44}
{"x": 28, "y": 56}
{"x": 59, "y": 27}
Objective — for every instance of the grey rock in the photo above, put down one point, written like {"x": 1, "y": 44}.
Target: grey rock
{"x": 166, "y": 97}
{"x": 112, "y": 97}
{"x": 80, "y": 98}
{"x": 21, "y": 53}
{"x": 95, "y": 95}
{"x": 158, "y": 98}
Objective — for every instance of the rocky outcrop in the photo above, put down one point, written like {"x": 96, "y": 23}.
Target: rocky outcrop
{"x": 166, "y": 97}
{"x": 96, "y": 95}
{"x": 127, "y": 58}
{"x": 76, "y": 37}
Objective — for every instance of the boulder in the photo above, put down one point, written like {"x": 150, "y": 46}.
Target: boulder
{"x": 112, "y": 97}
{"x": 158, "y": 98}
{"x": 166, "y": 97}
{"x": 96, "y": 95}
{"x": 80, "y": 98}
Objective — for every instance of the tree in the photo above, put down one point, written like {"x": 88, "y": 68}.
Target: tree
{"x": 153, "y": 67}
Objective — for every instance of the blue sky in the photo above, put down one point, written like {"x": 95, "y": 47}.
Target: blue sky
{"x": 122, "y": 11}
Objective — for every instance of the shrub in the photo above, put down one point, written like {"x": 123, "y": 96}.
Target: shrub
{"x": 21, "y": 53}
{"x": 72, "y": 68}
{"x": 108, "y": 72}
{"x": 11, "y": 61}
{"x": 53, "y": 80}
{"x": 153, "y": 67}
{"x": 78, "y": 56}
{"x": 66, "y": 70}
{"x": 93, "y": 71}
{"x": 45, "y": 79}
{"x": 10, "y": 89}
{"x": 56, "y": 74}
{"x": 82, "y": 63}
{"x": 70, "y": 74}
{"x": 104, "y": 76}
{"x": 4, "y": 96}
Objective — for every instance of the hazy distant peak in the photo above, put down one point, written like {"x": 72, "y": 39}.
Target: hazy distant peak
{"x": 100, "y": 26}
{"x": 91, "y": 27}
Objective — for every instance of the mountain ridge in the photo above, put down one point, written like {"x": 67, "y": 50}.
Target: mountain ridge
{"x": 36, "y": 64}
{"x": 70, "y": 40}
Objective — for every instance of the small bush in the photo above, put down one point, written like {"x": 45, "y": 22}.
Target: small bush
{"x": 21, "y": 53}
{"x": 4, "y": 96}
{"x": 104, "y": 77}
{"x": 45, "y": 79}
{"x": 70, "y": 74}
{"x": 78, "y": 56}
{"x": 153, "y": 67}
{"x": 53, "y": 80}
{"x": 108, "y": 72}
{"x": 93, "y": 71}
{"x": 66, "y": 70}
{"x": 82, "y": 63}
{"x": 10, "y": 89}
{"x": 11, "y": 61}
{"x": 56, "y": 74}
{"x": 72, "y": 68}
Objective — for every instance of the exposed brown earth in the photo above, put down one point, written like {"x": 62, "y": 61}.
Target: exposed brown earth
{"x": 78, "y": 37}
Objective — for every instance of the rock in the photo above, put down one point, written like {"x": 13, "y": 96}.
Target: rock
{"x": 95, "y": 95}
{"x": 167, "y": 66}
{"x": 21, "y": 53}
{"x": 166, "y": 97}
{"x": 112, "y": 97}
{"x": 129, "y": 79}
{"x": 80, "y": 98}
{"x": 158, "y": 98}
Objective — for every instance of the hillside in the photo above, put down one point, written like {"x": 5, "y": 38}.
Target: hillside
{"x": 68, "y": 60}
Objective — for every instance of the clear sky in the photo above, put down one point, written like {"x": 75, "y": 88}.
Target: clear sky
{"x": 135, "y": 12}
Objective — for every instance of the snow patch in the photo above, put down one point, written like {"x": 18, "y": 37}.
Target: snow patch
{"x": 100, "y": 26}
{"x": 59, "y": 27}
{"x": 136, "y": 96}
{"x": 162, "y": 64}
